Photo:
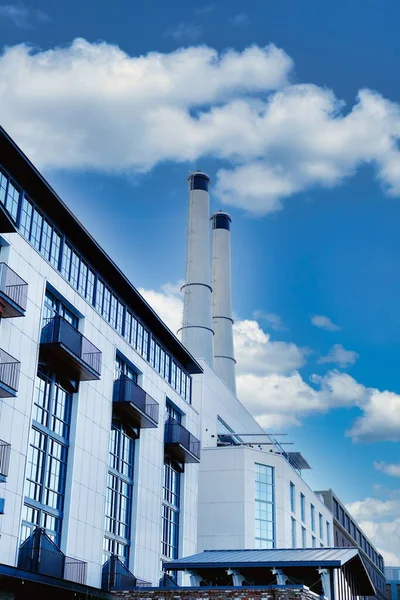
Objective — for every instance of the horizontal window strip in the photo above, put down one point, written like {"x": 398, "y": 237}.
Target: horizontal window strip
{"x": 56, "y": 249}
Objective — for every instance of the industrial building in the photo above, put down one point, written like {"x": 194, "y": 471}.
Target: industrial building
{"x": 392, "y": 583}
{"x": 347, "y": 533}
{"x": 123, "y": 447}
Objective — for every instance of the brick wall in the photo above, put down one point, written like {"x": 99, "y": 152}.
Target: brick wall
{"x": 244, "y": 593}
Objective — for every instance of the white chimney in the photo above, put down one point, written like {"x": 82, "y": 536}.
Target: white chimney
{"x": 224, "y": 361}
{"x": 197, "y": 333}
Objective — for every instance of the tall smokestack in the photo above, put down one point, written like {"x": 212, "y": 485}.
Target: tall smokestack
{"x": 197, "y": 332}
{"x": 224, "y": 361}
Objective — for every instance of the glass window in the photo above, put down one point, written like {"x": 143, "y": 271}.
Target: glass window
{"x": 328, "y": 533}
{"x": 170, "y": 510}
{"x": 55, "y": 249}
{"x": 3, "y": 187}
{"x": 264, "y": 506}
{"x": 36, "y": 231}
{"x": 12, "y": 199}
{"x": 293, "y": 530}
{"x": 303, "y": 537}
{"x": 113, "y": 311}
{"x": 47, "y": 457}
{"x": 106, "y": 303}
{"x": 321, "y": 526}
{"x": 90, "y": 285}
{"x": 224, "y": 434}
{"x": 172, "y": 412}
{"x": 74, "y": 272}
{"x": 124, "y": 369}
{"x": 314, "y": 542}
{"x": 26, "y": 217}
{"x": 46, "y": 239}
{"x": 120, "y": 317}
{"x": 292, "y": 497}
{"x": 336, "y": 508}
{"x": 66, "y": 261}
{"x": 128, "y": 327}
{"x": 100, "y": 296}
{"x": 54, "y": 306}
{"x": 83, "y": 278}
{"x": 303, "y": 507}
{"x": 312, "y": 517}
{"x": 118, "y": 513}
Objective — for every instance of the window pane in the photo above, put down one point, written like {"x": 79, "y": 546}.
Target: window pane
{"x": 26, "y": 216}
{"x": 12, "y": 201}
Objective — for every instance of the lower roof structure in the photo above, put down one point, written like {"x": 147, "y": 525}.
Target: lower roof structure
{"x": 260, "y": 567}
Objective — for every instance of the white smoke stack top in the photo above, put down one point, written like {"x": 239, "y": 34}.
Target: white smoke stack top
{"x": 224, "y": 361}
{"x": 197, "y": 333}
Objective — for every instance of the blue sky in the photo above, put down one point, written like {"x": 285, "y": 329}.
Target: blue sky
{"x": 317, "y": 234}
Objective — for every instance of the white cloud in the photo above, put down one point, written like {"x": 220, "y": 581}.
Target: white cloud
{"x": 240, "y": 19}
{"x": 272, "y": 319}
{"x": 271, "y": 387}
{"x": 168, "y": 304}
{"x": 257, "y": 354}
{"x": 380, "y": 519}
{"x": 22, "y": 16}
{"x": 380, "y": 420}
{"x": 340, "y": 356}
{"x": 389, "y": 469}
{"x": 324, "y": 323}
{"x": 92, "y": 106}
{"x": 185, "y": 32}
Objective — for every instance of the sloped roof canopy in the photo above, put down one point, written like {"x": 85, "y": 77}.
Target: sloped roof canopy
{"x": 298, "y": 564}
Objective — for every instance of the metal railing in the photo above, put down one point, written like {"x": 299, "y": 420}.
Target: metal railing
{"x": 5, "y": 451}
{"x": 57, "y": 330}
{"x": 75, "y": 570}
{"x": 9, "y": 370}
{"x": 175, "y": 433}
{"x": 126, "y": 390}
{"x": 12, "y": 286}
{"x": 39, "y": 554}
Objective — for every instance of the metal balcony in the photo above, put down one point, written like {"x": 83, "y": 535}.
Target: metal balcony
{"x": 13, "y": 293}
{"x": 115, "y": 576}
{"x": 39, "y": 554}
{"x": 9, "y": 375}
{"x": 5, "y": 451}
{"x": 132, "y": 403}
{"x": 68, "y": 351}
{"x": 180, "y": 444}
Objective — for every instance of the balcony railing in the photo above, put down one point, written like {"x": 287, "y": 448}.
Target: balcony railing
{"x": 133, "y": 403}
{"x": 5, "y": 451}
{"x": 69, "y": 351}
{"x": 13, "y": 293}
{"x": 39, "y": 554}
{"x": 9, "y": 375}
{"x": 115, "y": 576}
{"x": 180, "y": 443}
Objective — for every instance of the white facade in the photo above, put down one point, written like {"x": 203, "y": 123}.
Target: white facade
{"x": 84, "y": 514}
{"x": 227, "y": 479}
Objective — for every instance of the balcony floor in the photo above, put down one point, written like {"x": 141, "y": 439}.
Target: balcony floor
{"x": 181, "y": 454}
{"x": 6, "y": 391}
{"x": 66, "y": 362}
{"x": 134, "y": 415}
{"x": 8, "y": 308}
